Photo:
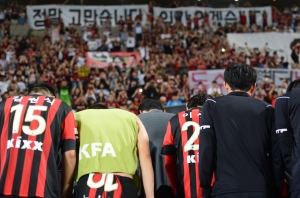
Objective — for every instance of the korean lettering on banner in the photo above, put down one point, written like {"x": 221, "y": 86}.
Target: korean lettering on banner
{"x": 221, "y": 15}
{"x": 38, "y": 14}
{"x": 206, "y": 77}
{"x": 78, "y": 15}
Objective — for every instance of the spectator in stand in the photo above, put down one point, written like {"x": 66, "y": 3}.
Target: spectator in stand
{"x": 3, "y": 62}
{"x": 252, "y": 18}
{"x": 295, "y": 56}
{"x": 243, "y": 19}
{"x": 265, "y": 20}
{"x": 2, "y": 16}
{"x": 107, "y": 23}
{"x": 121, "y": 23}
{"x": 111, "y": 103}
{"x": 130, "y": 42}
{"x": 129, "y": 23}
{"x": 47, "y": 23}
{"x": 196, "y": 21}
{"x": 214, "y": 90}
{"x": 6, "y": 27}
{"x": 138, "y": 32}
{"x": 22, "y": 17}
{"x": 174, "y": 100}
{"x": 92, "y": 44}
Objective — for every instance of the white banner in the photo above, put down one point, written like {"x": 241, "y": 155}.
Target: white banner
{"x": 220, "y": 15}
{"x": 282, "y": 43}
{"x": 207, "y": 76}
{"x": 77, "y": 14}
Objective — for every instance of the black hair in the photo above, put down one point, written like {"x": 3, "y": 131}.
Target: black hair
{"x": 42, "y": 87}
{"x": 98, "y": 106}
{"x": 293, "y": 84}
{"x": 149, "y": 104}
{"x": 198, "y": 100}
{"x": 175, "y": 93}
{"x": 240, "y": 76}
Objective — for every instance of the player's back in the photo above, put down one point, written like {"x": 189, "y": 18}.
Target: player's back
{"x": 31, "y": 134}
{"x": 294, "y": 114}
{"x": 183, "y": 132}
{"x": 108, "y": 141}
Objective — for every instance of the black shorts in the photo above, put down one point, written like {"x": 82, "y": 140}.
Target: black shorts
{"x": 97, "y": 185}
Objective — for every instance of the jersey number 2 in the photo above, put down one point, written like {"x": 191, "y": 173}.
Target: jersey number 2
{"x": 189, "y": 145}
{"x": 29, "y": 117}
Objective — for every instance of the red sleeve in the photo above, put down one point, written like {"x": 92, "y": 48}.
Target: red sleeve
{"x": 170, "y": 152}
{"x": 68, "y": 133}
{"x": 168, "y": 147}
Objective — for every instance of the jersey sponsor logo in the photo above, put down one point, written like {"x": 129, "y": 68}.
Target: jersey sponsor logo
{"x": 281, "y": 131}
{"x": 93, "y": 150}
{"x": 204, "y": 127}
{"x": 76, "y": 133}
{"x": 24, "y": 144}
{"x": 192, "y": 159}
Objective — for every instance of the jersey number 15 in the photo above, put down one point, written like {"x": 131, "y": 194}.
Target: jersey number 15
{"x": 29, "y": 117}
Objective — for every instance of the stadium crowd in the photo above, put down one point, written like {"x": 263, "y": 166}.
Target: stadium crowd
{"x": 167, "y": 54}
{"x": 247, "y": 148}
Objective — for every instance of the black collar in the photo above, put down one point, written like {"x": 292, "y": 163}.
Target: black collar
{"x": 239, "y": 93}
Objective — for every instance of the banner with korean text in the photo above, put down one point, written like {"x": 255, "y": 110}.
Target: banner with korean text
{"x": 220, "y": 15}
{"x": 104, "y": 59}
{"x": 207, "y": 76}
{"x": 77, "y": 14}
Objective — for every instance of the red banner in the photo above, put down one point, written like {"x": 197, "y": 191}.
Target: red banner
{"x": 104, "y": 59}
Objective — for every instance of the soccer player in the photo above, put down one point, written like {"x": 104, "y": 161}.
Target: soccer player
{"x": 32, "y": 130}
{"x": 155, "y": 121}
{"x": 181, "y": 143}
{"x": 109, "y": 140}
{"x": 238, "y": 141}
{"x": 288, "y": 129}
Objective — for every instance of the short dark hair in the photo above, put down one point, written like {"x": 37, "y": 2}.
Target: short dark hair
{"x": 98, "y": 106}
{"x": 42, "y": 88}
{"x": 149, "y": 104}
{"x": 293, "y": 84}
{"x": 240, "y": 76}
{"x": 198, "y": 100}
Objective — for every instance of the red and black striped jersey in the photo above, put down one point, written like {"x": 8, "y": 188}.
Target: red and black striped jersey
{"x": 33, "y": 129}
{"x": 182, "y": 139}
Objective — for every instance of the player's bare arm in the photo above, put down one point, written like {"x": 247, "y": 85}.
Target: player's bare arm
{"x": 145, "y": 160}
{"x": 69, "y": 162}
